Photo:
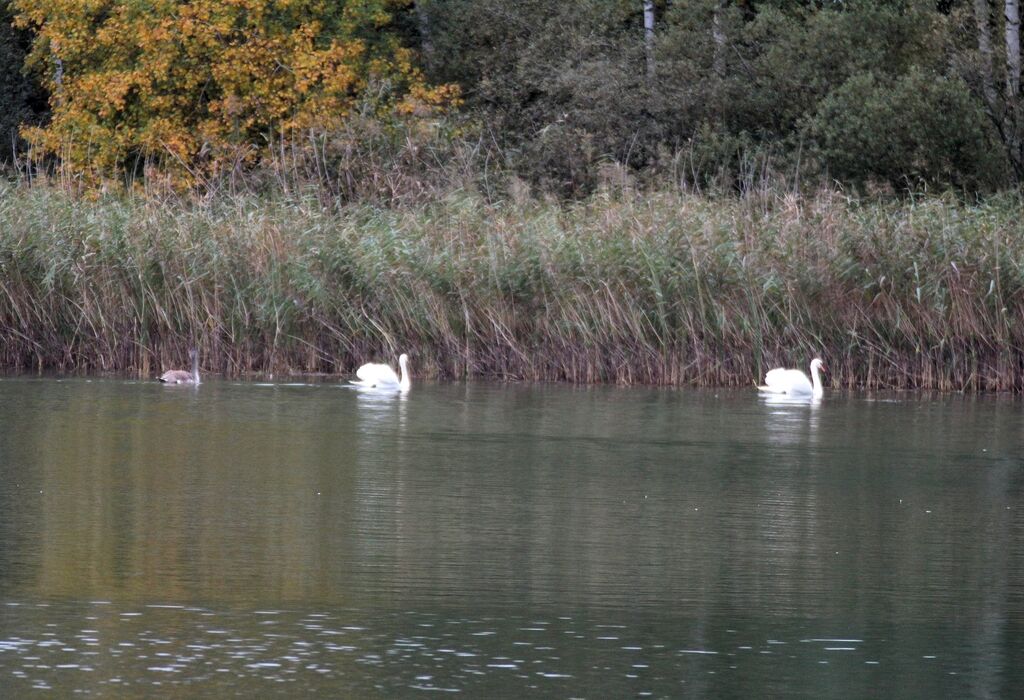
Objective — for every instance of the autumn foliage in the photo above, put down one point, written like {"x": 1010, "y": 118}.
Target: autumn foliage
{"x": 187, "y": 89}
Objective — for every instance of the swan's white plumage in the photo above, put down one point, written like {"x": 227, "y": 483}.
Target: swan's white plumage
{"x": 793, "y": 382}
{"x": 381, "y": 376}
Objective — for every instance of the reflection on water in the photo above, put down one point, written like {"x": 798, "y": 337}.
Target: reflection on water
{"x": 504, "y": 540}
{"x": 381, "y": 411}
{"x": 791, "y": 421}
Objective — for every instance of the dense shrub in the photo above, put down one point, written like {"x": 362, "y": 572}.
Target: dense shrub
{"x": 914, "y": 131}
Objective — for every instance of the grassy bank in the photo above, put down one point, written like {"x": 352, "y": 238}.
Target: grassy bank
{"x": 668, "y": 288}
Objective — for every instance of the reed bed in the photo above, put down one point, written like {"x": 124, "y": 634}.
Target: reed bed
{"x": 661, "y": 288}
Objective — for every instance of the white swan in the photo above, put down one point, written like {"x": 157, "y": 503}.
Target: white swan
{"x": 180, "y": 376}
{"x": 793, "y": 382}
{"x": 379, "y": 376}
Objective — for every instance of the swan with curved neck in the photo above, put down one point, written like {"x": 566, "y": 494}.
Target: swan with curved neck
{"x": 381, "y": 376}
{"x": 180, "y": 376}
{"x": 793, "y": 382}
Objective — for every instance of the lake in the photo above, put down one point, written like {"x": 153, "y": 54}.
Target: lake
{"x": 506, "y": 541}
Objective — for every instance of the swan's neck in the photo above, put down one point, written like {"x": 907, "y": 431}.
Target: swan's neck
{"x": 817, "y": 389}
{"x": 403, "y": 382}
{"x": 195, "y": 368}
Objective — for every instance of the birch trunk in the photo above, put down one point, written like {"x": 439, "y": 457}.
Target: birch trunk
{"x": 983, "y": 18}
{"x": 58, "y": 72}
{"x": 1012, "y": 10}
{"x": 1012, "y": 114}
{"x": 718, "y": 36}
{"x": 649, "y": 36}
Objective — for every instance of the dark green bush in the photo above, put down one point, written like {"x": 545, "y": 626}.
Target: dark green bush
{"x": 917, "y": 130}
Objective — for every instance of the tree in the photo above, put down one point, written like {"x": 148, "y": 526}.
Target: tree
{"x": 21, "y": 98}
{"x": 1004, "y": 107}
{"x": 426, "y": 32}
{"x": 649, "y": 36}
{"x": 912, "y": 130}
{"x": 191, "y": 88}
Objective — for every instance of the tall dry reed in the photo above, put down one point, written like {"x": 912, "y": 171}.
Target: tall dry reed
{"x": 662, "y": 288}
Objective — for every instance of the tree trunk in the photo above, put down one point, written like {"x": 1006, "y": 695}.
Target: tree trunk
{"x": 649, "y": 36}
{"x": 426, "y": 34}
{"x": 983, "y": 17}
{"x": 58, "y": 72}
{"x": 1012, "y": 8}
{"x": 718, "y": 36}
{"x": 1013, "y": 110}
{"x": 1004, "y": 107}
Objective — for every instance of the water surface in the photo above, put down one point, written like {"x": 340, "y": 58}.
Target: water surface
{"x": 506, "y": 541}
